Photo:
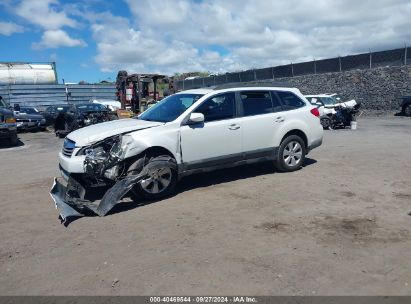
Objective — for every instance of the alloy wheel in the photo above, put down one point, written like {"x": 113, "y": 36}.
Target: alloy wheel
{"x": 292, "y": 153}
{"x": 157, "y": 181}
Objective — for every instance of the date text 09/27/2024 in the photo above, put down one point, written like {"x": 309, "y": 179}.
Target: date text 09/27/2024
{"x": 175, "y": 299}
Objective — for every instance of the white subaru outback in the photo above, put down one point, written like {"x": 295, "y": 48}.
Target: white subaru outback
{"x": 189, "y": 132}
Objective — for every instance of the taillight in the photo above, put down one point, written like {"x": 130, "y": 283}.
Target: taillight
{"x": 10, "y": 120}
{"x": 315, "y": 112}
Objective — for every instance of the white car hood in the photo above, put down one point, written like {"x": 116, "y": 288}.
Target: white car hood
{"x": 91, "y": 134}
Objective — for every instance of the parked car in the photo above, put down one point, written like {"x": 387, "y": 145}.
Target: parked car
{"x": 51, "y": 113}
{"x": 112, "y": 105}
{"x": 333, "y": 112}
{"x": 327, "y": 102}
{"x": 8, "y": 127}
{"x": 186, "y": 133}
{"x": 81, "y": 115}
{"x": 406, "y": 106}
{"x": 29, "y": 119}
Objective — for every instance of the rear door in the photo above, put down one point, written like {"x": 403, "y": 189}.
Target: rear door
{"x": 260, "y": 116}
{"x": 217, "y": 141}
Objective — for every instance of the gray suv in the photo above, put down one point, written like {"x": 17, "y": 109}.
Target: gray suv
{"x": 8, "y": 127}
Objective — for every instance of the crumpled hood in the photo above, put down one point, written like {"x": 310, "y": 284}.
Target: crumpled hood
{"x": 94, "y": 133}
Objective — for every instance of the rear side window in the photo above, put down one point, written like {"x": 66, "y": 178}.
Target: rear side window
{"x": 290, "y": 101}
{"x": 256, "y": 103}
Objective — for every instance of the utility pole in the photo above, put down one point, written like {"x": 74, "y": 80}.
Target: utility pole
{"x": 370, "y": 59}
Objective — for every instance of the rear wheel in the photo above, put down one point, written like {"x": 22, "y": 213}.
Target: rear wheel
{"x": 326, "y": 122}
{"x": 159, "y": 182}
{"x": 291, "y": 154}
{"x": 407, "y": 110}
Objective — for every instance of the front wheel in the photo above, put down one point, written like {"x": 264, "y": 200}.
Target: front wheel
{"x": 291, "y": 154}
{"x": 159, "y": 181}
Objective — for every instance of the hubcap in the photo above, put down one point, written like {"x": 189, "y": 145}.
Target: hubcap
{"x": 292, "y": 154}
{"x": 157, "y": 181}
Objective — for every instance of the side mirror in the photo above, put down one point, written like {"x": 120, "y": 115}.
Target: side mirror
{"x": 195, "y": 118}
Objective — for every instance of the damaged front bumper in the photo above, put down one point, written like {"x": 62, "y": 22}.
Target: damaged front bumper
{"x": 70, "y": 199}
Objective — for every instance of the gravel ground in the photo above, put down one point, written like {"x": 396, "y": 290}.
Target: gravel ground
{"x": 339, "y": 226}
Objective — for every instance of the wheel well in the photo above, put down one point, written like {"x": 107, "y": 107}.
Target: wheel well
{"x": 157, "y": 150}
{"x": 150, "y": 152}
{"x": 298, "y": 133}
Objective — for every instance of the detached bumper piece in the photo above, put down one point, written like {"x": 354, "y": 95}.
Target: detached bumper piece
{"x": 69, "y": 200}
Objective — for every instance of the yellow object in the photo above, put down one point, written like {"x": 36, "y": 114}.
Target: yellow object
{"x": 10, "y": 120}
{"x": 124, "y": 114}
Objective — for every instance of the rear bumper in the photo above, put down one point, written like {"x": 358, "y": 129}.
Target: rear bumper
{"x": 315, "y": 144}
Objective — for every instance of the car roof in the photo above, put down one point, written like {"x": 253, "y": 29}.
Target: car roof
{"x": 318, "y": 95}
{"x": 237, "y": 88}
{"x": 196, "y": 91}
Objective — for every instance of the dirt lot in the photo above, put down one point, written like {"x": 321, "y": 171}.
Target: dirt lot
{"x": 338, "y": 226}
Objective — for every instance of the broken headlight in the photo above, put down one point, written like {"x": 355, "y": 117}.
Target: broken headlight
{"x": 102, "y": 158}
{"x": 102, "y": 150}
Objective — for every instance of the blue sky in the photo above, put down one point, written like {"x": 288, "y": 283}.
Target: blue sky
{"x": 92, "y": 40}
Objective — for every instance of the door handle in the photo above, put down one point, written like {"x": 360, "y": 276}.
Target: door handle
{"x": 234, "y": 127}
{"x": 279, "y": 119}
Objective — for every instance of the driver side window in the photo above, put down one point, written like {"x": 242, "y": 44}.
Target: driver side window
{"x": 218, "y": 107}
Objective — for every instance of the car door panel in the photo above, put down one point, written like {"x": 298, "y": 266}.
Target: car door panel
{"x": 259, "y": 123}
{"x": 217, "y": 140}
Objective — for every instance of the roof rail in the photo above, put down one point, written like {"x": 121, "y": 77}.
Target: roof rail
{"x": 253, "y": 84}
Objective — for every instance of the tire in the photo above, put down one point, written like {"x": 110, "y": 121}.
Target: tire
{"x": 326, "y": 123}
{"x": 291, "y": 154}
{"x": 407, "y": 110}
{"x": 162, "y": 181}
{"x": 13, "y": 140}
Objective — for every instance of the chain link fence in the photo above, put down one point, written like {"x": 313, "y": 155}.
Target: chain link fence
{"x": 397, "y": 57}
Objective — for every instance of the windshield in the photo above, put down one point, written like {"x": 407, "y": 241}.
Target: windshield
{"x": 29, "y": 110}
{"x": 327, "y": 101}
{"x": 90, "y": 107}
{"x": 337, "y": 98}
{"x": 170, "y": 108}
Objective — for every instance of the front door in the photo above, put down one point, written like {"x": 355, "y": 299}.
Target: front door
{"x": 218, "y": 140}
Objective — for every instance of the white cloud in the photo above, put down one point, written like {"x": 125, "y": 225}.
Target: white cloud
{"x": 44, "y": 13}
{"x": 218, "y": 35}
{"x": 9, "y": 28}
{"x": 186, "y": 35}
{"x": 57, "y": 38}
